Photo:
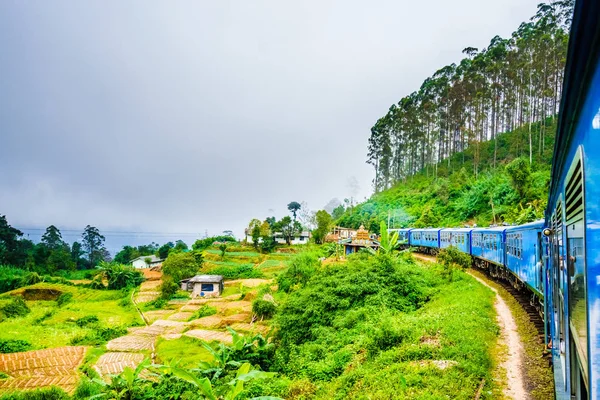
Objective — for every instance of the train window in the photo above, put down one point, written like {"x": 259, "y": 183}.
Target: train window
{"x": 575, "y": 259}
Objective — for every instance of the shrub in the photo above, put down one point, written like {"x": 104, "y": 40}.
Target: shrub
{"x": 302, "y": 267}
{"x": 263, "y": 309}
{"x": 237, "y": 272}
{"x": 452, "y": 258}
{"x": 52, "y": 393}
{"x": 14, "y": 345}
{"x": 10, "y": 278}
{"x": 16, "y": 308}
{"x": 168, "y": 288}
{"x": 120, "y": 276}
{"x": 204, "y": 311}
{"x": 182, "y": 265}
{"x": 87, "y": 320}
{"x": 64, "y": 299}
{"x": 99, "y": 336}
{"x": 44, "y": 317}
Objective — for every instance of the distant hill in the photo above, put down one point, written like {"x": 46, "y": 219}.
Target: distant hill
{"x": 452, "y": 193}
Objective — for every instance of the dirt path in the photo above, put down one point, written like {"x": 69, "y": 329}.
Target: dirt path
{"x": 513, "y": 363}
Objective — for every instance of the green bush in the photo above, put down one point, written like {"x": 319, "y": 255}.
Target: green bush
{"x": 263, "y": 309}
{"x": 87, "y": 320}
{"x": 452, "y": 258}
{"x": 237, "y": 272}
{"x": 204, "y": 311}
{"x": 10, "y": 278}
{"x": 168, "y": 288}
{"x": 302, "y": 267}
{"x": 64, "y": 299}
{"x": 120, "y": 276}
{"x": 14, "y": 345}
{"x": 99, "y": 336}
{"x": 16, "y": 308}
{"x": 52, "y": 393}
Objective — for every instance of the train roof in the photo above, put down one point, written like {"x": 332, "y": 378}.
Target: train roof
{"x": 531, "y": 225}
{"x": 427, "y": 229}
{"x": 495, "y": 229}
{"x": 582, "y": 59}
{"x": 458, "y": 229}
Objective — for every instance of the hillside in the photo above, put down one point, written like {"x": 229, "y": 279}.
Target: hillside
{"x": 453, "y": 193}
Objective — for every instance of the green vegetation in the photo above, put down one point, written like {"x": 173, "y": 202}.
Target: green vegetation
{"x": 14, "y": 345}
{"x": 204, "y": 311}
{"x": 91, "y": 316}
{"x": 508, "y": 193}
{"x": 452, "y": 259}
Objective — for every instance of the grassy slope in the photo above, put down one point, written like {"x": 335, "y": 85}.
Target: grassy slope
{"x": 457, "y": 196}
{"x": 112, "y": 308}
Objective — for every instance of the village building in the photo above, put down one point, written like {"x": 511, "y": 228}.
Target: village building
{"x": 298, "y": 238}
{"x": 361, "y": 240}
{"x": 203, "y": 285}
{"x": 150, "y": 261}
{"x": 339, "y": 233}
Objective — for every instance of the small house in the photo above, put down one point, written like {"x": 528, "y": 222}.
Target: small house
{"x": 361, "y": 240}
{"x": 298, "y": 238}
{"x": 150, "y": 261}
{"x": 203, "y": 285}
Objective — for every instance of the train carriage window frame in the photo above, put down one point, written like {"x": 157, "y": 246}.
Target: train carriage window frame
{"x": 575, "y": 264}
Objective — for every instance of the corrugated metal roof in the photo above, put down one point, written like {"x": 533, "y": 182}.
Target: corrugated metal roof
{"x": 204, "y": 279}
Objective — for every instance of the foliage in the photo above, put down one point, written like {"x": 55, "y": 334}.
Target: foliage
{"x": 15, "y": 308}
{"x": 87, "y": 320}
{"x": 204, "y": 311}
{"x": 512, "y": 83}
{"x": 452, "y": 258}
{"x": 223, "y": 249}
{"x": 52, "y": 393}
{"x": 14, "y": 345}
{"x": 324, "y": 222}
{"x": 519, "y": 172}
{"x": 64, "y": 299}
{"x": 93, "y": 245}
{"x": 202, "y": 244}
{"x": 168, "y": 288}
{"x": 120, "y": 276}
{"x": 242, "y": 271}
{"x": 128, "y": 253}
{"x": 182, "y": 265}
{"x": 294, "y": 207}
{"x": 263, "y": 309}
{"x": 301, "y": 269}
{"x": 388, "y": 242}
{"x": 99, "y": 335}
{"x": 268, "y": 244}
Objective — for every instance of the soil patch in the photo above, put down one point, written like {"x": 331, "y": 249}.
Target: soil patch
{"x": 115, "y": 362}
{"x": 41, "y": 294}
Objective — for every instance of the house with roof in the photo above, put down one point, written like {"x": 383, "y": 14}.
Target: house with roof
{"x": 361, "y": 240}
{"x": 150, "y": 261}
{"x": 298, "y": 238}
{"x": 203, "y": 285}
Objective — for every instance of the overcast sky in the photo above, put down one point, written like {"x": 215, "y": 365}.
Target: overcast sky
{"x": 190, "y": 116}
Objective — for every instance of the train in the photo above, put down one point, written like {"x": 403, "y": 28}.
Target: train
{"x": 557, "y": 259}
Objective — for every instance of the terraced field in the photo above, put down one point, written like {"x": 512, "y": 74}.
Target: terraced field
{"x": 42, "y": 368}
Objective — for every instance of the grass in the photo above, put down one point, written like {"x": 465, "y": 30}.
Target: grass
{"x": 185, "y": 350}
{"x": 235, "y": 253}
{"x": 538, "y": 372}
{"x": 49, "y": 325}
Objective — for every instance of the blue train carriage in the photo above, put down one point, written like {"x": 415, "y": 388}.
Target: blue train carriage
{"x": 524, "y": 256}
{"x": 403, "y": 236}
{"x": 487, "y": 248}
{"x": 573, "y": 215}
{"x": 457, "y": 237}
{"x": 428, "y": 240}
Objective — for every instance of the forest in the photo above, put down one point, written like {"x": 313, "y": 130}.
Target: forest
{"x": 512, "y": 84}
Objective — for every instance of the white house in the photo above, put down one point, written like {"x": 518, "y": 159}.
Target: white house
{"x": 203, "y": 285}
{"x": 147, "y": 262}
{"x": 299, "y": 238}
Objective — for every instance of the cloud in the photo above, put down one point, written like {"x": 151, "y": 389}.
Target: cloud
{"x": 194, "y": 116}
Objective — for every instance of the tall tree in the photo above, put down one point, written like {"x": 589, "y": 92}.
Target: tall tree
{"x": 10, "y": 245}
{"x": 324, "y": 222}
{"x": 93, "y": 245}
{"x": 294, "y": 206}
{"x": 52, "y": 238}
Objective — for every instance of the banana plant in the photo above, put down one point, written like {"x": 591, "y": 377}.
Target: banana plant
{"x": 122, "y": 386}
{"x": 387, "y": 243}
{"x": 243, "y": 374}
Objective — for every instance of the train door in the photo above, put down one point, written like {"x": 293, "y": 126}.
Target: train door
{"x": 576, "y": 277}
{"x": 557, "y": 289}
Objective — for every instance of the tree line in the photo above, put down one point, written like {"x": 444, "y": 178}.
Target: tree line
{"x": 512, "y": 83}
{"x": 52, "y": 253}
